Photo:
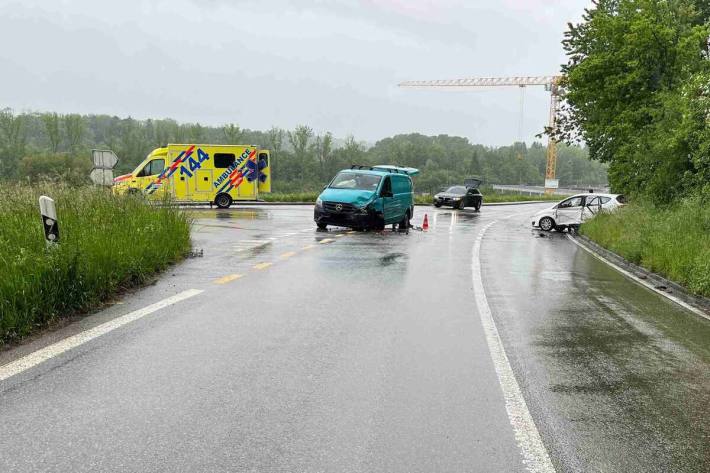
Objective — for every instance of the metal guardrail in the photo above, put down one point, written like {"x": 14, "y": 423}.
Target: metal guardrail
{"x": 538, "y": 190}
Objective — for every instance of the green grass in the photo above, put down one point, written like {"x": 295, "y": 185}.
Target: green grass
{"x": 673, "y": 242}
{"x": 106, "y": 244}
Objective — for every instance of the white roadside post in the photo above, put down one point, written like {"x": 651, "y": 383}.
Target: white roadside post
{"x": 49, "y": 220}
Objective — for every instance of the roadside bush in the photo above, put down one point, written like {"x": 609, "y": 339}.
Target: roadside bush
{"x": 107, "y": 244}
{"x": 672, "y": 241}
{"x": 59, "y": 167}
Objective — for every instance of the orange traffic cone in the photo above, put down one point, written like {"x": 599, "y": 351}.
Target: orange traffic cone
{"x": 425, "y": 225}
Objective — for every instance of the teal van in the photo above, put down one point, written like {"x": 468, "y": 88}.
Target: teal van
{"x": 367, "y": 197}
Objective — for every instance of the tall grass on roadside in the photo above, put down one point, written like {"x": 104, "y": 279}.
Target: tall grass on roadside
{"x": 107, "y": 243}
{"x": 673, "y": 241}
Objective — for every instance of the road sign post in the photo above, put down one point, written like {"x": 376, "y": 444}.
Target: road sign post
{"x": 104, "y": 161}
{"x": 49, "y": 220}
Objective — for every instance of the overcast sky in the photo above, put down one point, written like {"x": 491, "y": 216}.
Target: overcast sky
{"x": 333, "y": 65}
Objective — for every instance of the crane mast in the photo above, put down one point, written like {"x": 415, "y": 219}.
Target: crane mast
{"x": 551, "y": 83}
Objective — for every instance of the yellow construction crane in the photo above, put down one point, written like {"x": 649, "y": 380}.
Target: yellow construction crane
{"x": 551, "y": 84}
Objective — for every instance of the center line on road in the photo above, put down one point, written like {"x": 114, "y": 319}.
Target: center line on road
{"x": 46, "y": 353}
{"x": 325, "y": 240}
{"x": 534, "y": 453}
{"x": 288, "y": 254}
{"x": 308, "y": 247}
{"x": 262, "y": 265}
{"x": 227, "y": 278}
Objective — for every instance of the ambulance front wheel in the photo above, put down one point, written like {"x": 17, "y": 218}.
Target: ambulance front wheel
{"x": 223, "y": 201}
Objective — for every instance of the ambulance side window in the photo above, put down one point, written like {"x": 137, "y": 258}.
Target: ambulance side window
{"x": 265, "y": 158}
{"x": 223, "y": 160}
{"x": 156, "y": 166}
{"x": 144, "y": 172}
{"x": 153, "y": 168}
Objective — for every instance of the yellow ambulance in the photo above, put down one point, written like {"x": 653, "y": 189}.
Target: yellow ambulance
{"x": 194, "y": 173}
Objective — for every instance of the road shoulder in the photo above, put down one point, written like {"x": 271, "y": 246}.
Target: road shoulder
{"x": 697, "y": 304}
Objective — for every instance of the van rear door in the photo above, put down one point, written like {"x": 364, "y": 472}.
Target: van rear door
{"x": 390, "y": 204}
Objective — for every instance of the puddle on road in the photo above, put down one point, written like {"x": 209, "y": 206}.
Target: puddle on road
{"x": 229, "y": 214}
{"x": 391, "y": 258}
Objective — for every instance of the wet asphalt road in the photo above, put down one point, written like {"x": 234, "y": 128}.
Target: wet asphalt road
{"x": 335, "y": 351}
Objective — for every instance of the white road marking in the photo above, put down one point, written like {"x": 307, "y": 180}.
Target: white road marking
{"x": 534, "y": 453}
{"x": 640, "y": 281}
{"x": 46, "y": 353}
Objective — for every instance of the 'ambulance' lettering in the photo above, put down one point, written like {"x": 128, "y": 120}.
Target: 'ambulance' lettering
{"x": 231, "y": 168}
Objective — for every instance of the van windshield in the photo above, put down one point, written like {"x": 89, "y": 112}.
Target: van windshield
{"x": 353, "y": 180}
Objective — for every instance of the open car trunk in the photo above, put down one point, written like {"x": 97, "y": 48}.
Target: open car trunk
{"x": 472, "y": 182}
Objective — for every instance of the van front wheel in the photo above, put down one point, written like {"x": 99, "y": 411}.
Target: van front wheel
{"x": 223, "y": 201}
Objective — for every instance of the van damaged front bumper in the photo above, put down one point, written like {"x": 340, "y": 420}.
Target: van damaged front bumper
{"x": 351, "y": 218}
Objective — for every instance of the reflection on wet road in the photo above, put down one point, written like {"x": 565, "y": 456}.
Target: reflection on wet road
{"x": 344, "y": 351}
{"x": 623, "y": 373}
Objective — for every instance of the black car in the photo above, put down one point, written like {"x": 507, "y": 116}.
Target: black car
{"x": 460, "y": 197}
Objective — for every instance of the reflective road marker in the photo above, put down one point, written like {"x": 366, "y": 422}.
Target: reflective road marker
{"x": 228, "y": 278}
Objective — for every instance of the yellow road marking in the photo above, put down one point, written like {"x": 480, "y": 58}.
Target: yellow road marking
{"x": 308, "y": 247}
{"x": 227, "y": 278}
{"x": 288, "y": 254}
{"x": 325, "y": 240}
{"x": 339, "y": 235}
{"x": 262, "y": 265}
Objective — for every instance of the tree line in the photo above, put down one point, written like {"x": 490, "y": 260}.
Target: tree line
{"x": 36, "y": 146}
{"x": 636, "y": 90}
